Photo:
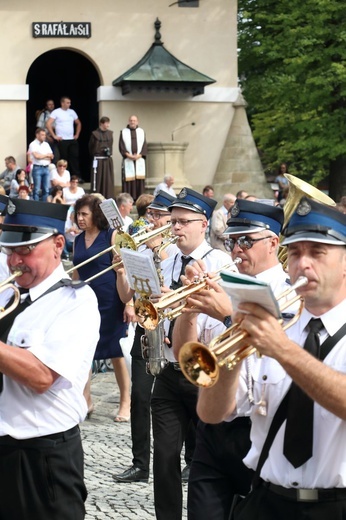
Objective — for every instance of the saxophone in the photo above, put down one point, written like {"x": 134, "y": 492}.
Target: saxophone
{"x": 153, "y": 341}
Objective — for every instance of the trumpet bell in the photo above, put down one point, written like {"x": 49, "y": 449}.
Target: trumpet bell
{"x": 201, "y": 365}
{"x": 147, "y": 311}
{"x": 198, "y": 364}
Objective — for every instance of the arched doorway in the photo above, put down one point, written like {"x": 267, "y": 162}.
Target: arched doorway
{"x": 59, "y": 73}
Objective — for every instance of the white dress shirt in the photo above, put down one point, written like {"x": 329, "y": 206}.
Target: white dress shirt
{"x": 43, "y": 148}
{"x": 171, "y": 268}
{"x": 61, "y": 329}
{"x": 327, "y": 467}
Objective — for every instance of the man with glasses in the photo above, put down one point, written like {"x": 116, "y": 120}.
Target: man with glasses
{"x": 174, "y": 398}
{"x": 217, "y": 471}
{"x": 41, "y": 399}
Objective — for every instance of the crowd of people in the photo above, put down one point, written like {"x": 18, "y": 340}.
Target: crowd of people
{"x": 266, "y": 440}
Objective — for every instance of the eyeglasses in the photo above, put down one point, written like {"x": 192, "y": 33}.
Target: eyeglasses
{"x": 244, "y": 242}
{"x": 184, "y": 221}
{"x": 20, "y": 250}
{"x": 157, "y": 216}
{"x": 62, "y": 166}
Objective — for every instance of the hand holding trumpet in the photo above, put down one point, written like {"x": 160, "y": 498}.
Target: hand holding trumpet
{"x": 212, "y": 300}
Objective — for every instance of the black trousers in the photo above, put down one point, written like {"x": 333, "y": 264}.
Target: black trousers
{"x": 217, "y": 471}
{"x": 42, "y": 478}
{"x": 173, "y": 405}
{"x": 69, "y": 150}
{"x": 140, "y": 405}
{"x": 263, "y": 504}
{"x": 141, "y": 412}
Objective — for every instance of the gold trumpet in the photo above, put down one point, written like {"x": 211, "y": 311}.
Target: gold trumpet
{"x": 152, "y": 313}
{"x": 6, "y": 284}
{"x": 201, "y": 365}
{"x": 122, "y": 240}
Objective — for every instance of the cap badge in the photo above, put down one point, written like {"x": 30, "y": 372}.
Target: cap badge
{"x": 11, "y": 208}
{"x": 303, "y": 208}
{"x": 182, "y": 194}
{"x": 235, "y": 210}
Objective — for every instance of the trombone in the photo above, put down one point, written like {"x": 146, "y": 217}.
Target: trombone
{"x": 201, "y": 365}
{"x": 122, "y": 240}
{"x": 6, "y": 284}
{"x": 152, "y": 313}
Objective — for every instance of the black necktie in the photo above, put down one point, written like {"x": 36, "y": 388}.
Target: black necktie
{"x": 298, "y": 440}
{"x": 175, "y": 285}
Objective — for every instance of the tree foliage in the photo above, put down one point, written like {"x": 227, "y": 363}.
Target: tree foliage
{"x": 292, "y": 69}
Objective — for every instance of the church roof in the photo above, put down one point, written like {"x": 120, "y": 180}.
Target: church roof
{"x": 159, "y": 70}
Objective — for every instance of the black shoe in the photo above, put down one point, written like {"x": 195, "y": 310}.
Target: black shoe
{"x": 132, "y": 474}
{"x": 185, "y": 474}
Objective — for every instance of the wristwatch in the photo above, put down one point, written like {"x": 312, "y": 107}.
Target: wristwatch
{"x": 227, "y": 321}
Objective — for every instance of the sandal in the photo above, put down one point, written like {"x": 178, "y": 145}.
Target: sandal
{"x": 121, "y": 418}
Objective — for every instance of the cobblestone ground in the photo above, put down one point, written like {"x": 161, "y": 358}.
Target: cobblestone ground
{"x": 107, "y": 447}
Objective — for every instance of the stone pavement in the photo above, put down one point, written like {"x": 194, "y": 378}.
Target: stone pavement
{"x": 107, "y": 448}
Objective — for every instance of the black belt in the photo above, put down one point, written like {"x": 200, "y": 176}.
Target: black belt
{"x": 307, "y": 495}
{"x": 44, "y": 441}
{"x": 41, "y": 166}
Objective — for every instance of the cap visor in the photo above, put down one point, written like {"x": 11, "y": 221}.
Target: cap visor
{"x": 16, "y": 238}
{"x": 311, "y": 236}
{"x": 160, "y": 207}
{"x": 236, "y": 230}
{"x": 185, "y": 206}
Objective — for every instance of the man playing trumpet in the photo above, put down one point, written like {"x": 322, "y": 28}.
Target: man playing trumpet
{"x": 300, "y": 472}
{"x": 217, "y": 472}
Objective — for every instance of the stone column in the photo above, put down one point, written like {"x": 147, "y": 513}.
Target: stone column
{"x": 239, "y": 166}
{"x": 166, "y": 158}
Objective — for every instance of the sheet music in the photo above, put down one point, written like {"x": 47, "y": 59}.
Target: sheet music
{"x": 140, "y": 271}
{"x": 243, "y": 288}
{"x": 111, "y": 212}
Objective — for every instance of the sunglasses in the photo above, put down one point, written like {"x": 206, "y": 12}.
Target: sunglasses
{"x": 244, "y": 242}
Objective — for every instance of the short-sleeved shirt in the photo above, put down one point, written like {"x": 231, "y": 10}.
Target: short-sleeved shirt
{"x": 64, "y": 122}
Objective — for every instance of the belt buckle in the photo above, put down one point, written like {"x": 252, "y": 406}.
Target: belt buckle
{"x": 307, "y": 495}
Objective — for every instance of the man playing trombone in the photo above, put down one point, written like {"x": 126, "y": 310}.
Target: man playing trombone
{"x": 298, "y": 449}
{"x": 42, "y": 402}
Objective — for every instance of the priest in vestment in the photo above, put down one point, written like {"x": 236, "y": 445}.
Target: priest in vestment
{"x": 133, "y": 148}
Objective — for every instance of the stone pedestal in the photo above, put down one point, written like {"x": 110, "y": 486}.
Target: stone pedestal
{"x": 166, "y": 158}
{"x": 239, "y": 166}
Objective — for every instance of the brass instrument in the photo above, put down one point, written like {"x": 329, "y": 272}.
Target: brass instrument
{"x": 6, "y": 284}
{"x": 122, "y": 240}
{"x": 297, "y": 190}
{"x": 152, "y": 313}
{"x": 153, "y": 341}
{"x": 201, "y": 365}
